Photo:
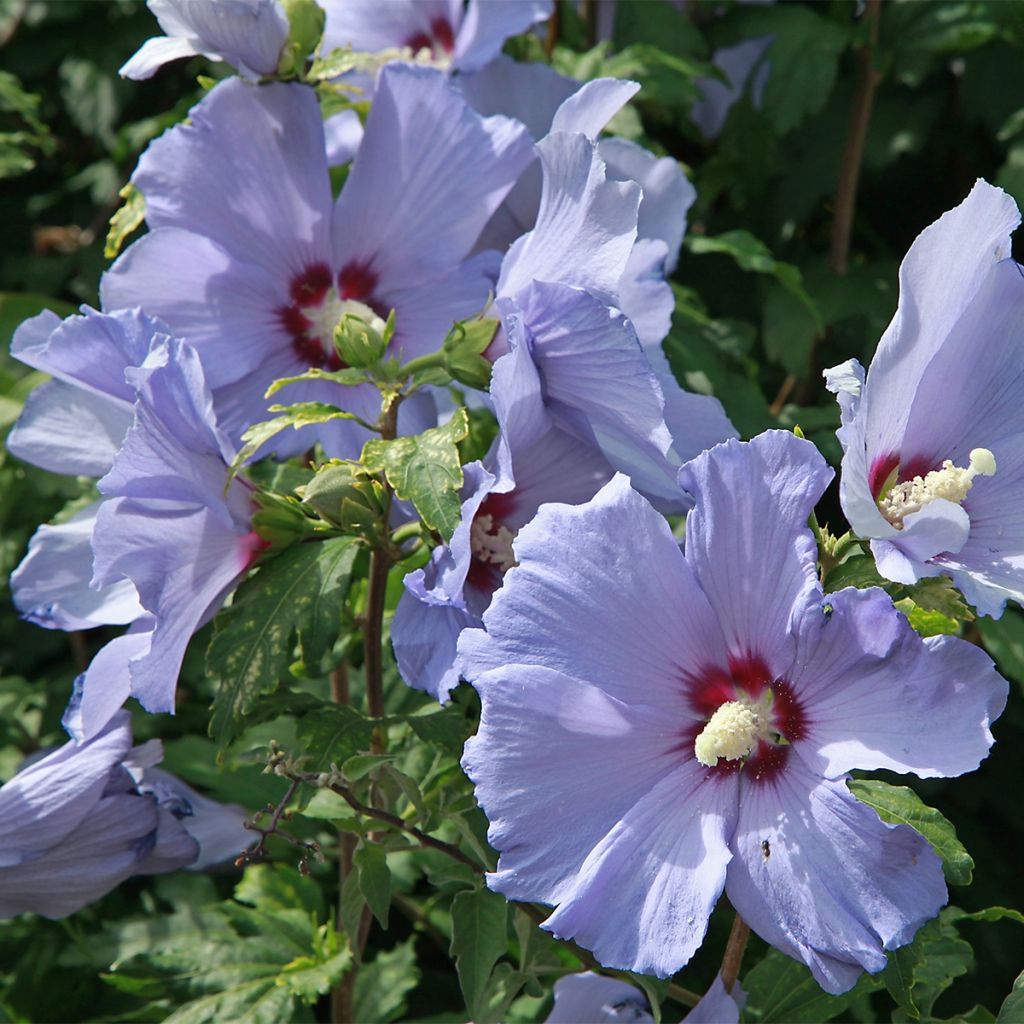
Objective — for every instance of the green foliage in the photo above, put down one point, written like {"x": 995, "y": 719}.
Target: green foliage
{"x": 902, "y": 806}
{"x": 19, "y": 107}
{"x": 127, "y": 218}
{"x": 782, "y": 991}
{"x": 425, "y": 470}
{"x": 479, "y": 940}
{"x": 302, "y": 591}
{"x": 254, "y": 958}
{"x": 383, "y": 985}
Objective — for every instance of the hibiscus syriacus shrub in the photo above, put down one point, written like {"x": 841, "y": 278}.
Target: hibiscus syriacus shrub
{"x": 523, "y": 518}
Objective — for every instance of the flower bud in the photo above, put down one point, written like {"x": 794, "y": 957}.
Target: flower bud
{"x": 361, "y": 340}
{"x": 462, "y": 349}
{"x": 348, "y": 497}
{"x": 306, "y": 26}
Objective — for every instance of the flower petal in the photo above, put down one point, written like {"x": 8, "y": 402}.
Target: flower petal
{"x": 747, "y": 539}
{"x": 819, "y": 875}
{"x": 576, "y": 604}
{"x": 876, "y": 695}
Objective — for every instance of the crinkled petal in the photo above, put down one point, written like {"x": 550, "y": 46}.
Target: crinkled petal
{"x": 488, "y": 23}
{"x": 216, "y": 827}
{"x": 577, "y": 605}
{"x": 106, "y": 684}
{"x": 878, "y": 696}
{"x": 818, "y": 875}
{"x": 425, "y": 637}
{"x": 592, "y": 105}
{"x": 51, "y": 585}
{"x": 940, "y": 276}
{"x": 174, "y": 450}
{"x": 554, "y": 748}
{"x": 598, "y": 384}
{"x": 846, "y": 382}
{"x": 668, "y": 194}
{"x": 225, "y": 307}
{"x": 154, "y": 54}
{"x": 644, "y": 294}
{"x": 531, "y": 93}
{"x": 249, "y": 171}
{"x": 588, "y": 998}
{"x": 893, "y": 564}
{"x": 248, "y": 34}
{"x": 585, "y": 228}
{"x": 111, "y": 844}
{"x": 182, "y": 561}
{"x": 983, "y": 354}
{"x": 696, "y": 422}
{"x": 662, "y": 867}
{"x": 66, "y": 430}
{"x": 402, "y": 212}
{"x": 47, "y": 801}
{"x": 747, "y": 538}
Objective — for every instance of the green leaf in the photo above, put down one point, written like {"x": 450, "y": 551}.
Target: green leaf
{"x": 252, "y": 647}
{"x": 425, "y": 470}
{"x": 238, "y": 962}
{"x": 753, "y": 255}
{"x": 322, "y": 626}
{"x": 902, "y": 806}
{"x": 447, "y": 728}
{"x": 127, "y": 218}
{"x": 803, "y": 58}
{"x": 479, "y": 938}
{"x": 297, "y": 416}
{"x": 1012, "y": 1010}
{"x": 374, "y": 879}
{"x": 383, "y": 984}
{"x": 279, "y": 887}
{"x": 332, "y": 735}
{"x": 782, "y": 991}
{"x": 938, "y": 594}
{"x": 348, "y": 377}
{"x": 899, "y": 978}
{"x": 927, "y": 623}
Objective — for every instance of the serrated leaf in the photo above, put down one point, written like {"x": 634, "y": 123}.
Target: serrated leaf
{"x": 479, "y": 939}
{"x": 322, "y": 627}
{"x": 374, "y": 880}
{"x": 383, "y": 984}
{"x": 938, "y": 594}
{"x": 127, "y": 218}
{"x": 425, "y": 470}
{"x": 782, "y": 991}
{"x": 927, "y": 623}
{"x": 900, "y": 805}
{"x": 297, "y": 416}
{"x": 246, "y": 962}
{"x": 332, "y": 735}
{"x": 251, "y": 649}
{"x": 279, "y": 887}
{"x": 349, "y": 377}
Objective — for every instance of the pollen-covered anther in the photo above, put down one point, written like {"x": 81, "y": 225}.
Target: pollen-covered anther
{"x": 732, "y": 732}
{"x": 490, "y": 544}
{"x": 951, "y": 483}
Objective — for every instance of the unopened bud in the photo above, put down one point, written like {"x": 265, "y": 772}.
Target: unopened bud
{"x": 463, "y": 348}
{"x": 305, "y": 27}
{"x": 360, "y": 340}
{"x": 348, "y": 497}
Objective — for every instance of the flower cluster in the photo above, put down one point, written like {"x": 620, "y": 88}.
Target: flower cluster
{"x": 663, "y": 720}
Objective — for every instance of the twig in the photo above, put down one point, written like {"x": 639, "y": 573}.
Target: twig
{"x": 733, "y": 956}
{"x": 274, "y": 829}
{"x": 853, "y": 150}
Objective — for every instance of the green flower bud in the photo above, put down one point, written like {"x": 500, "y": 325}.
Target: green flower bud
{"x": 306, "y": 26}
{"x": 346, "y": 496}
{"x": 463, "y": 348}
{"x": 280, "y": 521}
{"x": 361, "y": 340}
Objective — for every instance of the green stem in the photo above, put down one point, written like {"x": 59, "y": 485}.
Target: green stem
{"x": 432, "y": 361}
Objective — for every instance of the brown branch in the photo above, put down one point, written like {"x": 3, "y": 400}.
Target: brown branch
{"x": 868, "y": 79}
{"x": 734, "y": 948}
